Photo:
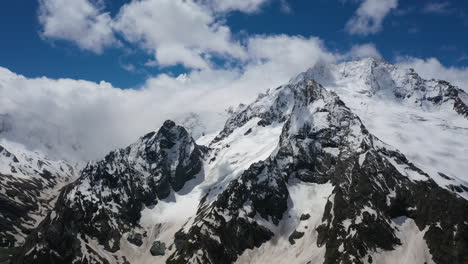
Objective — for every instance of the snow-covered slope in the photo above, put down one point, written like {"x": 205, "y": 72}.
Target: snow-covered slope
{"x": 194, "y": 125}
{"x": 360, "y": 187}
{"x": 427, "y": 120}
{"x": 296, "y": 177}
{"x": 29, "y": 183}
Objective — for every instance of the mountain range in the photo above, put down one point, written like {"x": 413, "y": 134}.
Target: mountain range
{"x": 357, "y": 162}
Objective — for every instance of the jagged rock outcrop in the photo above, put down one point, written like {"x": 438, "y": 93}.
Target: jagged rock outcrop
{"x": 106, "y": 201}
{"x": 297, "y": 176}
{"x": 374, "y": 76}
{"x": 29, "y": 185}
{"x": 323, "y": 141}
{"x": 406, "y": 111}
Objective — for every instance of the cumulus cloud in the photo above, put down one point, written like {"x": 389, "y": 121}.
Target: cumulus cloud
{"x": 176, "y": 32}
{"x": 246, "y": 6}
{"x": 363, "y": 51}
{"x": 185, "y": 32}
{"x": 97, "y": 117}
{"x": 369, "y": 16}
{"x": 432, "y": 68}
{"x": 79, "y": 21}
{"x": 60, "y": 116}
{"x": 83, "y": 120}
{"x": 273, "y": 61}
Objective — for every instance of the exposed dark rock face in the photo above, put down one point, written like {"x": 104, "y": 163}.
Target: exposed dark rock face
{"x": 106, "y": 201}
{"x": 360, "y": 215}
{"x": 136, "y": 239}
{"x": 29, "y": 183}
{"x": 221, "y": 232}
{"x": 295, "y": 235}
{"x": 304, "y": 217}
{"x": 12, "y": 211}
{"x": 322, "y": 142}
{"x": 373, "y": 185}
{"x": 278, "y": 110}
{"x": 459, "y": 105}
{"x": 158, "y": 248}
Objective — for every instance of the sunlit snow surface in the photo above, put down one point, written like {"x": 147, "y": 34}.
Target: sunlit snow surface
{"x": 18, "y": 161}
{"x": 434, "y": 141}
{"x": 234, "y": 154}
{"x": 413, "y": 248}
{"x": 305, "y": 198}
{"x": 433, "y": 137}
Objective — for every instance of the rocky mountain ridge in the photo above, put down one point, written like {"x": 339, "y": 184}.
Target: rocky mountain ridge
{"x": 300, "y": 175}
{"x": 407, "y": 112}
{"x": 30, "y": 183}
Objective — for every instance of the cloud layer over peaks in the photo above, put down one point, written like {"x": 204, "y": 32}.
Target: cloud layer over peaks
{"x": 433, "y": 68}
{"x": 83, "y": 120}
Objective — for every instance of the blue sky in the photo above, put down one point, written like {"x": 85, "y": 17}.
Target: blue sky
{"x": 415, "y": 28}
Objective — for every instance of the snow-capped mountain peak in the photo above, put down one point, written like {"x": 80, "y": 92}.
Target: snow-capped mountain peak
{"x": 30, "y": 182}
{"x": 305, "y": 174}
{"x": 425, "y": 119}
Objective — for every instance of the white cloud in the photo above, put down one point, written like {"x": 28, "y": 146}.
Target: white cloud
{"x": 247, "y": 6}
{"x": 97, "y": 117}
{"x": 176, "y": 32}
{"x": 438, "y": 8}
{"x": 363, "y": 51}
{"x": 100, "y": 117}
{"x": 369, "y": 16}
{"x": 285, "y": 7}
{"x": 129, "y": 67}
{"x": 287, "y": 49}
{"x": 432, "y": 68}
{"x": 79, "y": 21}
